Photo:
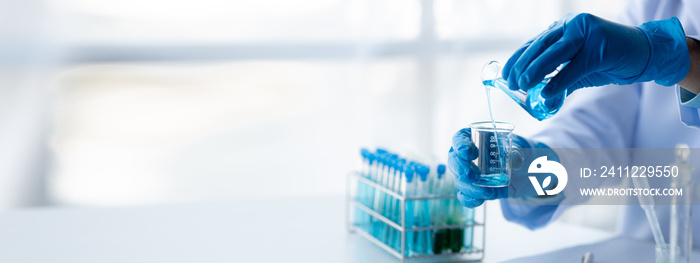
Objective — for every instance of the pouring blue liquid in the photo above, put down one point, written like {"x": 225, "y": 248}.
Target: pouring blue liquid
{"x": 498, "y": 155}
{"x": 531, "y": 100}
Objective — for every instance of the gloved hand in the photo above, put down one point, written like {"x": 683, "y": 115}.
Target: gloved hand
{"x": 600, "y": 52}
{"x": 463, "y": 152}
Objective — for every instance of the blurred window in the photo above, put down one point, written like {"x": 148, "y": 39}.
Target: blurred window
{"x": 164, "y": 100}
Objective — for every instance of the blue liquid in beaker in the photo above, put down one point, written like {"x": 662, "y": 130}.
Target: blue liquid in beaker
{"x": 494, "y": 150}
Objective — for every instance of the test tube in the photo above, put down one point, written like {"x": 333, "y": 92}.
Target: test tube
{"x": 459, "y": 215}
{"x": 362, "y": 188}
{"x": 386, "y": 199}
{"x": 391, "y": 212}
{"x": 680, "y": 234}
{"x": 379, "y": 201}
{"x": 376, "y": 224}
{"x": 374, "y": 174}
{"x": 369, "y": 191}
{"x": 409, "y": 191}
{"x": 395, "y": 236}
{"x": 381, "y": 154}
{"x": 364, "y": 171}
{"x": 446, "y": 205}
{"x": 425, "y": 243}
{"x": 389, "y": 183}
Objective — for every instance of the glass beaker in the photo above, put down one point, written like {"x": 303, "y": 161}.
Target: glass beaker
{"x": 494, "y": 141}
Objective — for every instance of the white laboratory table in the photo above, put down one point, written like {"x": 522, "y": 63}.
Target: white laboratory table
{"x": 274, "y": 230}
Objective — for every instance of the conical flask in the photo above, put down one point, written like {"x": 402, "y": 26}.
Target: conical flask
{"x": 531, "y": 100}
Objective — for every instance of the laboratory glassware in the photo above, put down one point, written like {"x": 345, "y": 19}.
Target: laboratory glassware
{"x": 647, "y": 204}
{"x": 680, "y": 232}
{"x": 530, "y": 100}
{"x": 664, "y": 253}
{"x": 423, "y": 221}
{"x": 494, "y": 141}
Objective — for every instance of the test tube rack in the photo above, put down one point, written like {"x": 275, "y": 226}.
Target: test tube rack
{"x": 474, "y": 254}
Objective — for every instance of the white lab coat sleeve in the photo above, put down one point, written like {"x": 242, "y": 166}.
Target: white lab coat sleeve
{"x": 640, "y": 11}
{"x": 689, "y": 103}
{"x": 689, "y": 107}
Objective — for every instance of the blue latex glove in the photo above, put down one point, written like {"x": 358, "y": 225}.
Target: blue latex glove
{"x": 600, "y": 52}
{"x": 463, "y": 152}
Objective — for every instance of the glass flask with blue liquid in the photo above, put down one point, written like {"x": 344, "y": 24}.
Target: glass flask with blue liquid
{"x": 531, "y": 100}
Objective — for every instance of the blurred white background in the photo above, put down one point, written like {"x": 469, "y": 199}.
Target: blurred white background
{"x": 159, "y": 101}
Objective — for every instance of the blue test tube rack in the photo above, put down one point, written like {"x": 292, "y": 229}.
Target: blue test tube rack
{"x": 384, "y": 214}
